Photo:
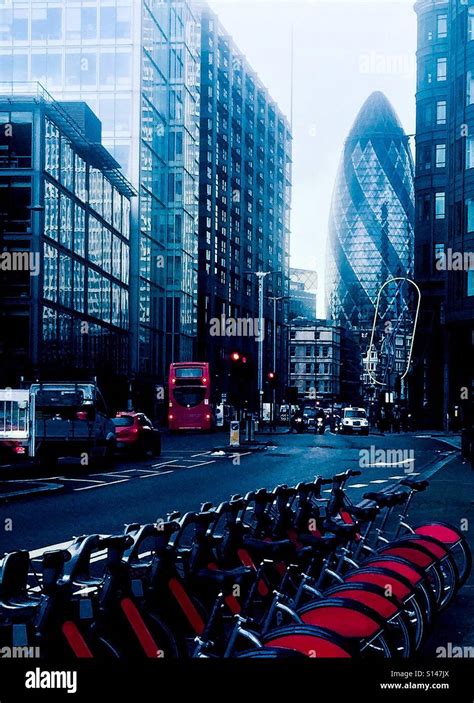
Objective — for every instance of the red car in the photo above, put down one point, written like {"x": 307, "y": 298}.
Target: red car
{"x": 136, "y": 433}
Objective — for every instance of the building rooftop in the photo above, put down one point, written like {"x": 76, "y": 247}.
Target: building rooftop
{"x": 62, "y": 116}
{"x": 376, "y": 117}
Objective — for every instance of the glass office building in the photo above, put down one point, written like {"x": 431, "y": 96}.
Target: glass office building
{"x": 444, "y": 227}
{"x": 244, "y": 206}
{"x": 136, "y": 64}
{"x": 371, "y": 221}
{"x": 65, "y": 220}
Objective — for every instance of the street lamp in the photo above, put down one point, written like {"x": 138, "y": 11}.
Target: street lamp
{"x": 276, "y": 300}
{"x": 261, "y": 276}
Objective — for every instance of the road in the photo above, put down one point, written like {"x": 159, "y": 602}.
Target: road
{"x": 187, "y": 474}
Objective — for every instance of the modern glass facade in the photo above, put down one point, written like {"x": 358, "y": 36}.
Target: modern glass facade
{"x": 64, "y": 200}
{"x": 136, "y": 64}
{"x": 245, "y": 200}
{"x": 445, "y": 208}
{"x": 371, "y": 221}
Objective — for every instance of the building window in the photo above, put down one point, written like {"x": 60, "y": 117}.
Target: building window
{"x": 442, "y": 26}
{"x": 470, "y": 284}
{"x": 439, "y": 251}
{"x": 441, "y": 112}
{"x": 441, "y": 69}
{"x": 46, "y": 23}
{"x": 309, "y": 351}
{"x": 469, "y": 152}
{"x": 440, "y": 155}
{"x": 470, "y": 214}
{"x": 470, "y": 24}
{"x": 470, "y": 88}
{"x": 440, "y": 208}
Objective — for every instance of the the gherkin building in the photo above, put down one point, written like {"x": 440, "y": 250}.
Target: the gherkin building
{"x": 372, "y": 215}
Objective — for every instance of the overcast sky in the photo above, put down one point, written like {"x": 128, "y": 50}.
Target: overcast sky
{"x": 344, "y": 50}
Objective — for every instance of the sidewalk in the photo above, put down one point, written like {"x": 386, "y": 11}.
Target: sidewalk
{"x": 450, "y": 498}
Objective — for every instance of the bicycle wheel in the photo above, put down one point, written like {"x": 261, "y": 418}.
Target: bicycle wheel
{"x": 313, "y": 642}
{"x": 454, "y": 540}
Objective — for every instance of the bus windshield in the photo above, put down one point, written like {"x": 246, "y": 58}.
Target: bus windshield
{"x": 191, "y": 372}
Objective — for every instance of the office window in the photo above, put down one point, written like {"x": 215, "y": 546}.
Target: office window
{"x": 46, "y": 23}
{"x": 123, "y": 68}
{"x": 50, "y": 272}
{"x": 470, "y": 24}
{"x": 79, "y": 286}
{"x": 65, "y": 221}
{"x": 470, "y": 284}
{"x": 51, "y": 211}
{"x": 16, "y": 147}
{"x": 440, "y": 207}
{"x": 441, "y": 112}
{"x": 79, "y": 230}
{"x": 47, "y": 68}
{"x": 107, "y": 68}
{"x": 469, "y": 152}
{"x": 95, "y": 241}
{"x": 442, "y": 26}
{"x": 470, "y": 214}
{"x": 470, "y": 88}
{"x": 439, "y": 251}
{"x": 20, "y": 24}
{"x": 441, "y": 69}
{"x": 73, "y": 23}
{"x": 440, "y": 155}
{"x": 65, "y": 280}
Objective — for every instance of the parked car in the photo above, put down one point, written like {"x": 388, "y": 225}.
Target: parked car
{"x": 354, "y": 420}
{"x": 136, "y": 433}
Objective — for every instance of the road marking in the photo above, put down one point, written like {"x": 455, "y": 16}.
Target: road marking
{"x": 155, "y": 475}
{"x": 112, "y": 473}
{"x": 202, "y": 463}
{"x": 397, "y": 478}
{"x": 194, "y": 456}
{"x": 166, "y": 463}
{"x": 80, "y": 480}
{"x": 380, "y": 481}
{"x": 388, "y": 463}
{"x": 358, "y": 485}
{"x": 102, "y": 485}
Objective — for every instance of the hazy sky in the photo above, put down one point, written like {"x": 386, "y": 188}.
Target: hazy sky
{"x": 344, "y": 50}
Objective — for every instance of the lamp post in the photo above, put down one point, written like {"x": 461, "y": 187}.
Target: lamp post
{"x": 261, "y": 276}
{"x": 276, "y": 300}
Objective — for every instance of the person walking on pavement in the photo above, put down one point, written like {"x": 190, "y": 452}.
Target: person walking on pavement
{"x": 467, "y": 444}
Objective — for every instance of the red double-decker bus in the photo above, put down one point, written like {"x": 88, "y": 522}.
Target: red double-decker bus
{"x": 190, "y": 397}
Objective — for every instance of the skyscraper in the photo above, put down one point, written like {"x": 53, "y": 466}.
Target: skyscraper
{"x": 372, "y": 214}
{"x": 444, "y": 229}
{"x": 136, "y": 64}
{"x": 244, "y": 209}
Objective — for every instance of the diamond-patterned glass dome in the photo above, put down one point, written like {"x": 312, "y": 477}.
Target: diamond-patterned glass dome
{"x": 372, "y": 215}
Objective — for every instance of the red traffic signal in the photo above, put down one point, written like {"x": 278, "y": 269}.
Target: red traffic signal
{"x": 271, "y": 376}
{"x": 235, "y": 356}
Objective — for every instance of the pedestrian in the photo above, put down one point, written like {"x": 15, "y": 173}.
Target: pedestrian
{"x": 467, "y": 445}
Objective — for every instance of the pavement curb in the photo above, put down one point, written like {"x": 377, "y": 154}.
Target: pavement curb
{"x": 37, "y": 490}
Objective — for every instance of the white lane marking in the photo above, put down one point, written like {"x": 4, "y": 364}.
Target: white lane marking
{"x": 383, "y": 464}
{"x": 165, "y": 463}
{"x": 155, "y": 475}
{"x": 358, "y": 485}
{"x": 202, "y": 463}
{"x": 397, "y": 478}
{"x": 103, "y": 485}
{"x": 194, "y": 456}
{"x": 80, "y": 480}
{"x": 379, "y": 481}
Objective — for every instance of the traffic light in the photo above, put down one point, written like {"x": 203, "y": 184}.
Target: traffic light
{"x": 272, "y": 379}
{"x": 235, "y": 357}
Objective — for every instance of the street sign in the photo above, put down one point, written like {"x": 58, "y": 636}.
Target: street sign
{"x": 235, "y": 434}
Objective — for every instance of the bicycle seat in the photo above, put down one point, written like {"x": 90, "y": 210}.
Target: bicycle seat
{"x": 282, "y": 549}
{"x": 365, "y": 514}
{"x": 342, "y": 530}
{"x": 414, "y": 484}
{"x": 227, "y": 578}
{"x": 386, "y": 500}
{"x": 14, "y": 571}
{"x": 324, "y": 544}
